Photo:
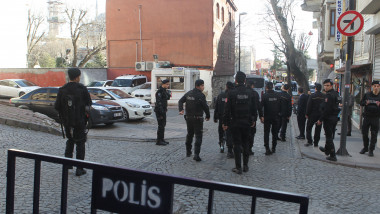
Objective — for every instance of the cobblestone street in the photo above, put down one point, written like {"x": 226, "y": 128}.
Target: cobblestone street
{"x": 331, "y": 188}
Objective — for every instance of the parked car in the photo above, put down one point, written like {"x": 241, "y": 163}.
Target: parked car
{"x": 277, "y": 87}
{"x": 42, "y": 100}
{"x": 16, "y": 87}
{"x": 129, "y": 83}
{"x": 312, "y": 88}
{"x": 133, "y": 108}
{"x": 104, "y": 83}
{"x": 144, "y": 92}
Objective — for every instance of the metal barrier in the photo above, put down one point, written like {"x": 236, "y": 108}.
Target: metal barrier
{"x": 112, "y": 186}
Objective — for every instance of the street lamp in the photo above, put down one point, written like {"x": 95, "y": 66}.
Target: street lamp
{"x": 240, "y": 14}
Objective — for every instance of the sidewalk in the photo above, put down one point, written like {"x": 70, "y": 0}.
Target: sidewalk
{"x": 354, "y": 144}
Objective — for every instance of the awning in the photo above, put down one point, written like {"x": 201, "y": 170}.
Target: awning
{"x": 356, "y": 68}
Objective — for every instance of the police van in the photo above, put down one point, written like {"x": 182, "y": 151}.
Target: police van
{"x": 259, "y": 83}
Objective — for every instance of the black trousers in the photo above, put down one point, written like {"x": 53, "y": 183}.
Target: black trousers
{"x": 283, "y": 124}
{"x": 75, "y": 136}
{"x": 317, "y": 131}
{"x": 270, "y": 125}
{"x": 194, "y": 126}
{"x": 329, "y": 127}
{"x": 161, "y": 120}
{"x": 368, "y": 122}
{"x": 251, "y": 137}
{"x": 225, "y": 135}
{"x": 349, "y": 124}
{"x": 240, "y": 139}
{"x": 301, "y": 119}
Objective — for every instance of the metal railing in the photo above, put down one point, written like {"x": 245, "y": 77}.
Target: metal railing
{"x": 212, "y": 186}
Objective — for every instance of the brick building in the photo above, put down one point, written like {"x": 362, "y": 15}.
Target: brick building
{"x": 196, "y": 33}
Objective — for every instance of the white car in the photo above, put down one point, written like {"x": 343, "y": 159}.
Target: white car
{"x": 128, "y": 83}
{"x": 16, "y": 87}
{"x": 133, "y": 108}
{"x": 104, "y": 83}
{"x": 143, "y": 92}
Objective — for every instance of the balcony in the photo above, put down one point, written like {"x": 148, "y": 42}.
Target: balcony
{"x": 369, "y": 6}
{"x": 311, "y": 5}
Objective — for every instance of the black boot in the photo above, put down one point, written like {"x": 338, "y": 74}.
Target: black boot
{"x": 273, "y": 149}
{"x": 230, "y": 154}
{"x": 323, "y": 150}
{"x": 245, "y": 168}
{"x": 197, "y": 158}
{"x": 331, "y": 158}
{"x": 364, "y": 150}
{"x": 267, "y": 151}
{"x": 160, "y": 143}
{"x": 370, "y": 153}
{"x": 221, "y": 145}
{"x": 80, "y": 172}
{"x": 308, "y": 144}
{"x": 237, "y": 170}
{"x": 165, "y": 141}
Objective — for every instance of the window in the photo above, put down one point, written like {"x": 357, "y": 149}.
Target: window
{"x": 122, "y": 83}
{"x": 176, "y": 82}
{"x": 141, "y": 81}
{"x": 40, "y": 94}
{"x": 217, "y": 11}
{"x": 332, "y": 23}
{"x": 4, "y": 83}
{"x": 230, "y": 19}
{"x": 222, "y": 49}
{"x": 222, "y": 15}
{"x": 53, "y": 94}
{"x": 229, "y": 51}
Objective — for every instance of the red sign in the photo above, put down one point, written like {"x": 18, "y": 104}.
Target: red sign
{"x": 350, "y": 23}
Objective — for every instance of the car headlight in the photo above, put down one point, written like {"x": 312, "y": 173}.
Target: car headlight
{"x": 133, "y": 105}
{"x": 100, "y": 108}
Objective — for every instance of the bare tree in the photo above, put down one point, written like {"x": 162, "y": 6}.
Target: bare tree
{"x": 281, "y": 19}
{"x": 89, "y": 35}
{"x": 33, "y": 37}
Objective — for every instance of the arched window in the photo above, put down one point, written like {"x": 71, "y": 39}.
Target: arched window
{"x": 222, "y": 49}
{"x": 217, "y": 11}
{"x": 222, "y": 15}
{"x": 230, "y": 19}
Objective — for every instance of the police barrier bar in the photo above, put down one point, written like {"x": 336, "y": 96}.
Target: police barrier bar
{"x": 117, "y": 189}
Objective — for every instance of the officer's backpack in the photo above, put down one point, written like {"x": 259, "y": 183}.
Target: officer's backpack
{"x": 70, "y": 109}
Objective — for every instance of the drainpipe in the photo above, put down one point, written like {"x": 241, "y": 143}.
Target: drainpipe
{"x": 140, "y": 6}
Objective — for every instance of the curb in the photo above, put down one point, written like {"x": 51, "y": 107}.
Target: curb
{"x": 30, "y": 126}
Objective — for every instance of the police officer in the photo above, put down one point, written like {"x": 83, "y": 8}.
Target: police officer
{"x": 195, "y": 106}
{"x": 301, "y": 109}
{"x": 162, "y": 97}
{"x": 329, "y": 117}
{"x": 239, "y": 115}
{"x": 371, "y": 102}
{"x": 72, "y": 101}
{"x": 286, "y": 110}
{"x": 251, "y": 137}
{"x": 313, "y": 113}
{"x": 218, "y": 115}
{"x": 270, "y": 103}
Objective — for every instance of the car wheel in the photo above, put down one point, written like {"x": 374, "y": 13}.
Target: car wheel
{"x": 126, "y": 115}
{"x": 89, "y": 124}
{"x": 21, "y": 93}
{"x": 110, "y": 123}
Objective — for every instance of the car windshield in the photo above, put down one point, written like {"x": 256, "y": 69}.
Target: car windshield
{"x": 119, "y": 94}
{"x": 95, "y": 84}
{"x": 278, "y": 87}
{"x": 258, "y": 82}
{"x": 122, "y": 83}
{"x": 25, "y": 83}
{"x": 146, "y": 86}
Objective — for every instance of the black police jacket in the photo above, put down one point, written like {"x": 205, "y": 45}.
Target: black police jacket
{"x": 313, "y": 104}
{"x": 371, "y": 109}
{"x": 219, "y": 106}
{"x": 302, "y": 104}
{"x": 79, "y": 91}
{"x": 330, "y": 107}
{"x": 240, "y": 109}
{"x": 270, "y": 105}
{"x": 162, "y": 97}
{"x": 286, "y": 104}
{"x": 196, "y": 103}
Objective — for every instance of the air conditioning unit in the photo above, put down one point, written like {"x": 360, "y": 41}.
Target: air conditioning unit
{"x": 162, "y": 64}
{"x": 140, "y": 66}
{"x": 149, "y": 66}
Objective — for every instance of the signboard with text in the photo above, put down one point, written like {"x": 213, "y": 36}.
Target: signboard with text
{"x": 339, "y": 11}
{"x": 130, "y": 194}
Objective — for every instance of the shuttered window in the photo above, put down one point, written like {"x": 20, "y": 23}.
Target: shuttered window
{"x": 376, "y": 70}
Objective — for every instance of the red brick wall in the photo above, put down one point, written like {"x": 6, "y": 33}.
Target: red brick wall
{"x": 43, "y": 79}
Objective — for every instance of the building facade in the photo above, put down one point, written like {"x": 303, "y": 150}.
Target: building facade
{"x": 197, "y": 34}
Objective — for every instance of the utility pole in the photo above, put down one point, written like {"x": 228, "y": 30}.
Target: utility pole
{"x": 346, "y": 96}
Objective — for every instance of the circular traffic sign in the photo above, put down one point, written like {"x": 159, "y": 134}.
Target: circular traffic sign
{"x": 350, "y": 23}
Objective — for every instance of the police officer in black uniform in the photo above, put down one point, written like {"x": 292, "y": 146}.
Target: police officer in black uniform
{"x": 240, "y": 114}
{"x": 371, "y": 102}
{"x": 270, "y": 103}
{"x": 195, "y": 106}
{"x": 286, "y": 110}
{"x": 74, "y": 121}
{"x": 301, "y": 110}
{"x": 218, "y": 115}
{"x": 161, "y": 107}
{"x": 251, "y": 138}
{"x": 313, "y": 113}
{"x": 329, "y": 117}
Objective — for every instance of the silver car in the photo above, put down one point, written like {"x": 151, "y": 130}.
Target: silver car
{"x": 16, "y": 87}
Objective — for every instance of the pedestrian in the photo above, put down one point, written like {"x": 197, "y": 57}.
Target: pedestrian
{"x": 329, "y": 117}
{"x": 251, "y": 138}
{"x": 72, "y": 101}
{"x": 218, "y": 116}
{"x": 313, "y": 113}
{"x": 286, "y": 111}
{"x": 371, "y": 114}
{"x": 301, "y": 109}
{"x": 269, "y": 115}
{"x": 195, "y": 106}
{"x": 239, "y": 115}
{"x": 161, "y": 107}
